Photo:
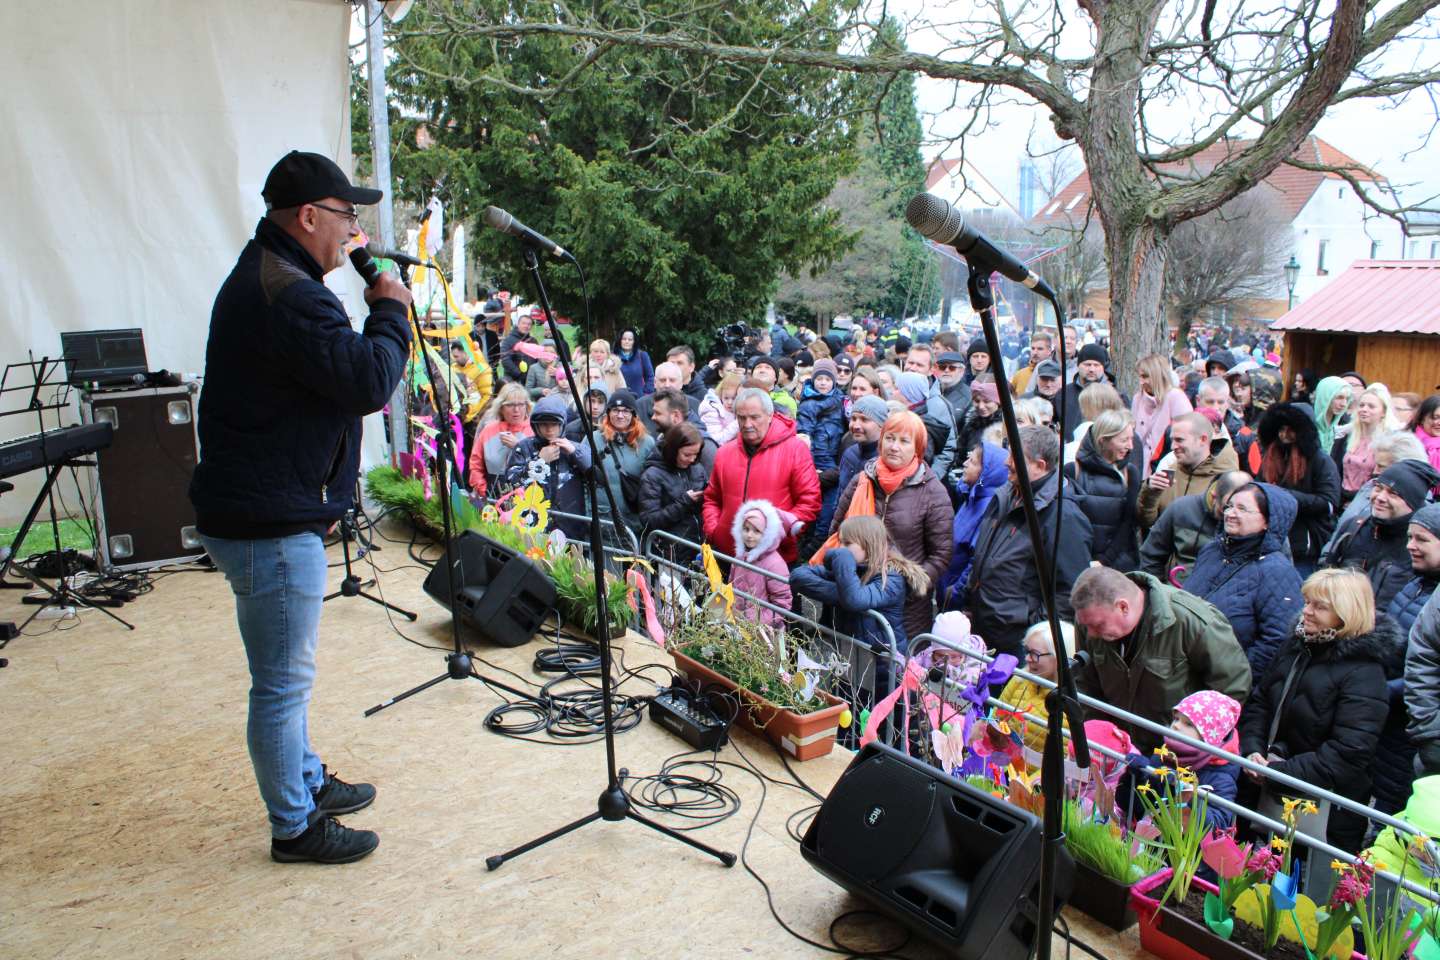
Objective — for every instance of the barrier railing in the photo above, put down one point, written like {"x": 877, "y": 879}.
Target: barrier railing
{"x": 617, "y": 528}
{"x": 1306, "y": 789}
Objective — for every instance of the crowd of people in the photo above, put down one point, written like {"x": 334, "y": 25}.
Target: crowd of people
{"x": 1217, "y": 535}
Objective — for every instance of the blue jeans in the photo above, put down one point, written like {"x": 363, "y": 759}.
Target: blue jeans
{"x": 279, "y": 585}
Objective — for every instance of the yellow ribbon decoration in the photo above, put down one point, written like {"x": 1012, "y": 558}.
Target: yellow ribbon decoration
{"x": 718, "y": 586}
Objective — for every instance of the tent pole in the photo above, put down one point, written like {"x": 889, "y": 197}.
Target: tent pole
{"x": 380, "y": 152}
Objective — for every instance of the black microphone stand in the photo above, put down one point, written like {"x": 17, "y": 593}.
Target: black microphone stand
{"x": 1064, "y": 700}
{"x": 458, "y": 665}
{"x": 613, "y": 803}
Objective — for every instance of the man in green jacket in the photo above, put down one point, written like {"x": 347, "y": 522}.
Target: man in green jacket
{"x": 1151, "y": 645}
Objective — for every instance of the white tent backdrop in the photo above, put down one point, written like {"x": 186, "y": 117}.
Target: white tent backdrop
{"x": 134, "y": 139}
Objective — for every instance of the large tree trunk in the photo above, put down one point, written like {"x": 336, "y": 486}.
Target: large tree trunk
{"x": 1136, "y": 251}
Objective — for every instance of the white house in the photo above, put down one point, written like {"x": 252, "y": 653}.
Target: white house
{"x": 1332, "y": 227}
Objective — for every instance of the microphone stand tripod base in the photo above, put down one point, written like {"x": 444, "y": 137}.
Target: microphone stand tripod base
{"x": 613, "y": 804}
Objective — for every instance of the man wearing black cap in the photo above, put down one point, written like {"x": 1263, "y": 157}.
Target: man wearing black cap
{"x": 1092, "y": 365}
{"x": 950, "y": 375}
{"x": 286, "y": 382}
{"x": 1377, "y": 544}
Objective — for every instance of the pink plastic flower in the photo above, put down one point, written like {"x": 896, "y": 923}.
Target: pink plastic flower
{"x": 1223, "y": 855}
{"x": 1264, "y": 862}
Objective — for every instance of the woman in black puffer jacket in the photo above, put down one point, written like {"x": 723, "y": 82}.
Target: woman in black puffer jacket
{"x": 1105, "y": 480}
{"x": 1318, "y": 711}
{"x": 1291, "y": 458}
{"x": 1245, "y": 573}
{"x": 672, "y": 489}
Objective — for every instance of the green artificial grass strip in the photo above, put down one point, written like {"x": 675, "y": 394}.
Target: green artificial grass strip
{"x": 74, "y": 535}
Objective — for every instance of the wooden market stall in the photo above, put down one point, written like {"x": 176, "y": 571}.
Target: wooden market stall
{"x": 1380, "y": 317}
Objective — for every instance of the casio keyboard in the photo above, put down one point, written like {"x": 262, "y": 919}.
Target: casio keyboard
{"x": 53, "y": 447}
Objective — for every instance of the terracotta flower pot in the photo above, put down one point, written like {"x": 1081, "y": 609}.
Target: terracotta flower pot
{"x": 803, "y": 736}
{"x": 1100, "y": 898}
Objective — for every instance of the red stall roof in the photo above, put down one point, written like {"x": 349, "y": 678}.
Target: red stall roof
{"x": 1374, "y": 296}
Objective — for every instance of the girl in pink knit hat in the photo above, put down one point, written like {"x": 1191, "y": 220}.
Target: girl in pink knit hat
{"x": 1210, "y": 717}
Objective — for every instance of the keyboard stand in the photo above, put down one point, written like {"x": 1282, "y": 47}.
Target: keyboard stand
{"x": 60, "y": 595}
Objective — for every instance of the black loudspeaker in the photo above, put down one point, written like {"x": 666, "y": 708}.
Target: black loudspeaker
{"x": 143, "y": 514}
{"x": 951, "y": 862}
{"x": 502, "y": 596}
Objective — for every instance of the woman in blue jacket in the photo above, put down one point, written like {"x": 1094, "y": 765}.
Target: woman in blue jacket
{"x": 984, "y": 474}
{"x": 1246, "y": 574}
{"x": 635, "y": 365}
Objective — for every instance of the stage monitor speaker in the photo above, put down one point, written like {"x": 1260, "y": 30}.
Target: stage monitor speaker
{"x": 951, "y": 862}
{"x": 143, "y": 514}
{"x": 502, "y": 596}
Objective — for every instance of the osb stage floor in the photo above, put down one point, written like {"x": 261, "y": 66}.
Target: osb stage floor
{"x": 130, "y": 825}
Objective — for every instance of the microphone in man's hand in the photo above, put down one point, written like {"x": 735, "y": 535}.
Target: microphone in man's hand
{"x": 939, "y": 221}
{"x": 365, "y": 266}
{"x": 500, "y": 220}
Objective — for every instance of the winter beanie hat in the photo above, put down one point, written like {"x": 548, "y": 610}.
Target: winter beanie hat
{"x": 1412, "y": 479}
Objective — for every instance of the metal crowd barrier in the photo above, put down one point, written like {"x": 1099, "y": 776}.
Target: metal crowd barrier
{"x": 1305, "y": 789}
{"x": 618, "y": 528}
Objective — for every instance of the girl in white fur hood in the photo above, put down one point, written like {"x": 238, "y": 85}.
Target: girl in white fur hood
{"x": 758, "y": 528}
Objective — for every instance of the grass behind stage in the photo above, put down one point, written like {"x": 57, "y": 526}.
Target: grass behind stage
{"x": 74, "y": 535}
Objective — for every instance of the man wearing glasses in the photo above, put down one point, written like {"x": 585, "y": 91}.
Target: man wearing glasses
{"x": 286, "y": 381}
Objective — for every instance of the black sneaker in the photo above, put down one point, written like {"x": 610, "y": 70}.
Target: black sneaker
{"x": 337, "y": 798}
{"x": 325, "y": 841}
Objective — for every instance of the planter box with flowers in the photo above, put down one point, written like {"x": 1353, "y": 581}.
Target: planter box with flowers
{"x": 774, "y": 697}
{"x": 1256, "y": 910}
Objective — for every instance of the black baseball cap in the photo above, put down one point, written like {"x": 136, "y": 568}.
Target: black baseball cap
{"x": 306, "y": 177}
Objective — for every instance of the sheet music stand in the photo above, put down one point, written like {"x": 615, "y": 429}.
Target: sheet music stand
{"x": 38, "y": 376}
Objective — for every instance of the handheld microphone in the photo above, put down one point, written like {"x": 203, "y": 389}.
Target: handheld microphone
{"x": 1081, "y": 660}
{"x": 364, "y": 265}
{"x": 505, "y": 223}
{"x": 939, "y": 221}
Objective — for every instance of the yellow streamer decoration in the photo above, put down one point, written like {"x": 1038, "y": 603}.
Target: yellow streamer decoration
{"x": 718, "y": 586}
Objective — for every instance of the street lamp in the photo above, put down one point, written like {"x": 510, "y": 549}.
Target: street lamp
{"x": 1292, "y": 274}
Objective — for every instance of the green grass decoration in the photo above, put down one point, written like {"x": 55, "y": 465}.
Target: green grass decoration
{"x": 74, "y": 535}
{"x": 1096, "y": 845}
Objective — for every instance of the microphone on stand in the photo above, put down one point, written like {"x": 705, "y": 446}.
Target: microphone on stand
{"x": 505, "y": 223}
{"x": 939, "y": 221}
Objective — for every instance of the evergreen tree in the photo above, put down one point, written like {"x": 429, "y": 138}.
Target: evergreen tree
{"x": 684, "y": 187}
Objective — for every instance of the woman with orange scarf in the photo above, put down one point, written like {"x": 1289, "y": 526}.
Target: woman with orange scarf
{"x": 899, "y": 488}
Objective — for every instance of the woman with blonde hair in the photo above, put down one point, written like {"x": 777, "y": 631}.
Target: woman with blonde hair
{"x": 1027, "y": 696}
{"x": 605, "y": 366}
{"x": 1158, "y": 402}
{"x": 1105, "y": 480}
{"x": 1317, "y": 712}
{"x": 1354, "y": 453}
{"x": 506, "y": 423}
{"x": 1098, "y": 396}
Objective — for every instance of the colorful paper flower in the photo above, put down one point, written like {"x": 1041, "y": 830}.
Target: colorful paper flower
{"x": 531, "y": 512}
{"x": 488, "y": 514}
{"x": 1283, "y": 889}
{"x": 1223, "y": 855}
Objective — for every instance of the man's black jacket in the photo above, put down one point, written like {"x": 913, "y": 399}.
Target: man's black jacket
{"x": 286, "y": 382}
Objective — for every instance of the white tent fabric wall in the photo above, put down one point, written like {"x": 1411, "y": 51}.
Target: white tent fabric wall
{"x": 135, "y": 136}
